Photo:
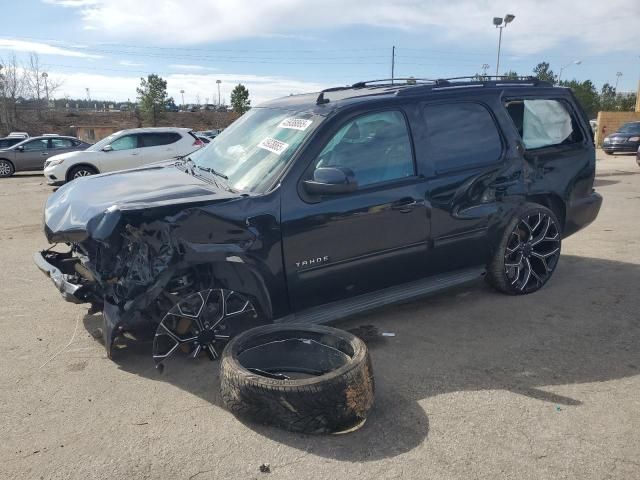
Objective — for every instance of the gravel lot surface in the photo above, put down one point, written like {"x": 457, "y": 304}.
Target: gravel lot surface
{"x": 475, "y": 384}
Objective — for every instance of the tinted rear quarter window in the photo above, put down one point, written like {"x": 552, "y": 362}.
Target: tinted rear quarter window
{"x": 159, "y": 138}
{"x": 461, "y": 135}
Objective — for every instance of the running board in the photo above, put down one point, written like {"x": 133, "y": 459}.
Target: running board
{"x": 399, "y": 293}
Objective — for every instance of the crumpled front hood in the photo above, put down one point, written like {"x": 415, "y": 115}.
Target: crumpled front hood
{"x": 92, "y": 206}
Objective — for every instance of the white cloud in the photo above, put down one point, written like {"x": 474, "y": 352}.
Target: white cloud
{"x": 184, "y": 66}
{"x": 539, "y": 24}
{"x": 42, "y": 48}
{"x": 123, "y": 87}
{"x": 128, "y": 63}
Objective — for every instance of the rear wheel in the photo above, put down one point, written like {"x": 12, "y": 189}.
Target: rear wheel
{"x": 81, "y": 171}
{"x": 6, "y": 168}
{"x": 528, "y": 252}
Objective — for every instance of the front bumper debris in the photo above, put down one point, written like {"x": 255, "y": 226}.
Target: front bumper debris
{"x": 71, "y": 292}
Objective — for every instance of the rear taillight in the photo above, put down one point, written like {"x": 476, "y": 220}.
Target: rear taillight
{"x": 198, "y": 143}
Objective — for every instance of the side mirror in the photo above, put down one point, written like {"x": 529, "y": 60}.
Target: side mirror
{"x": 107, "y": 148}
{"x": 20, "y": 148}
{"x": 331, "y": 181}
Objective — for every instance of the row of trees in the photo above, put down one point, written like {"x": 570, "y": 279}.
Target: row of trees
{"x": 590, "y": 98}
{"x": 23, "y": 81}
{"x": 153, "y": 98}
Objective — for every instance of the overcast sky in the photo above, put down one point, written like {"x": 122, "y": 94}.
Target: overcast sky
{"x": 279, "y": 47}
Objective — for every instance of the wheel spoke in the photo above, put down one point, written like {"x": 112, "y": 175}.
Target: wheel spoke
{"x": 533, "y": 272}
{"x": 527, "y": 275}
{"x": 540, "y": 217}
{"x": 543, "y": 235}
{"x": 545, "y": 255}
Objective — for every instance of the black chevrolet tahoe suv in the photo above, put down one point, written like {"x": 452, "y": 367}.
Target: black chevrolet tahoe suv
{"x": 314, "y": 207}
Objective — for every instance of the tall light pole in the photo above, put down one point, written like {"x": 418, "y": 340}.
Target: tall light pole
{"x": 575, "y": 62}
{"x": 46, "y": 87}
{"x": 501, "y": 23}
{"x": 182, "y": 93}
{"x": 218, "y": 82}
{"x": 618, "y": 75}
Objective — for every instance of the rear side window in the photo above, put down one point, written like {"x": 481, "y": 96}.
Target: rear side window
{"x": 159, "y": 138}
{"x": 461, "y": 135}
{"x": 61, "y": 143}
{"x": 543, "y": 123}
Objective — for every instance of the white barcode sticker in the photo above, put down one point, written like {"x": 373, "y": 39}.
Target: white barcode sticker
{"x": 295, "y": 123}
{"x": 273, "y": 145}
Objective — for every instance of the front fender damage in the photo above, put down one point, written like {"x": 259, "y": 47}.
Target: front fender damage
{"x": 141, "y": 268}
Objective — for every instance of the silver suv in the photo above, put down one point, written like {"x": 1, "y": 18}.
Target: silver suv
{"x": 30, "y": 154}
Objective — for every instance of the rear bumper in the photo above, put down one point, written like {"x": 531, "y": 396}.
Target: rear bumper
{"x": 581, "y": 213}
{"x": 71, "y": 292}
{"x": 621, "y": 147}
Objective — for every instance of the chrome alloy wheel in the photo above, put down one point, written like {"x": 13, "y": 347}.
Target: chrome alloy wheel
{"x": 532, "y": 252}
{"x": 82, "y": 173}
{"x": 5, "y": 169}
{"x": 200, "y": 323}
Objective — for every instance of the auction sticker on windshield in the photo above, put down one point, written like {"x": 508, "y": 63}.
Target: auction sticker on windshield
{"x": 273, "y": 145}
{"x": 295, "y": 123}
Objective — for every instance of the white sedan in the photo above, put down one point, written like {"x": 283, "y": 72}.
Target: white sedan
{"x": 120, "y": 151}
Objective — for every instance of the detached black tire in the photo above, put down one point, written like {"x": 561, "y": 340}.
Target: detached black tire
{"x": 311, "y": 379}
{"x": 528, "y": 252}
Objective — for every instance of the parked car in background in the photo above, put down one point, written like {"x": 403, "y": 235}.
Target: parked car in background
{"x": 19, "y": 135}
{"x": 625, "y": 139}
{"x": 122, "y": 150}
{"x": 315, "y": 207}
{"x": 7, "y": 142}
{"x": 210, "y": 133}
{"x": 31, "y": 154}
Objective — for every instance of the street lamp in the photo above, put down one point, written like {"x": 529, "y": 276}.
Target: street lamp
{"x": 182, "y": 93}
{"x": 618, "y": 75}
{"x": 46, "y": 87}
{"x": 501, "y": 23}
{"x": 218, "y": 82}
{"x": 575, "y": 62}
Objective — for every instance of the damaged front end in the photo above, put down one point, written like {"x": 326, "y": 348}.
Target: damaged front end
{"x": 125, "y": 258}
{"x": 121, "y": 277}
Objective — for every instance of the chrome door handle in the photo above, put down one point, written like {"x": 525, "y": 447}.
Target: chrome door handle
{"x": 44, "y": 153}
{"x": 405, "y": 205}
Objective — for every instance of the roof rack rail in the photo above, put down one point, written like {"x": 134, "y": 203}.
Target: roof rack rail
{"x": 440, "y": 83}
{"x": 408, "y": 80}
{"x": 495, "y": 79}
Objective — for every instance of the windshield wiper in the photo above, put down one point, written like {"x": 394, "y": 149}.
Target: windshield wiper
{"x": 211, "y": 170}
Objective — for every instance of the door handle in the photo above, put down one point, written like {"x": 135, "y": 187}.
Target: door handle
{"x": 44, "y": 153}
{"x": 405, "y": 205}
